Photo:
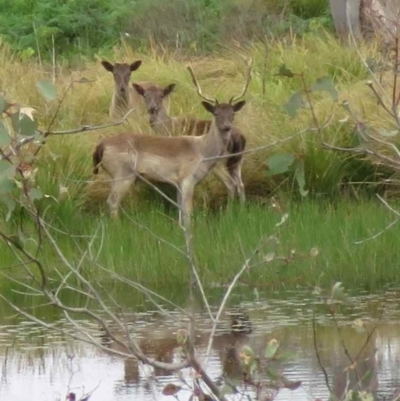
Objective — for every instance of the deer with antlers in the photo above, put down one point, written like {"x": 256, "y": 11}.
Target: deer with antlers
{"x": 162, "y": 123}
{"x": 124, "y": 97}
{"x": 182, "y": 161}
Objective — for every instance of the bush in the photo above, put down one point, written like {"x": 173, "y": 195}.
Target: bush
{"x": 189, "y": 25}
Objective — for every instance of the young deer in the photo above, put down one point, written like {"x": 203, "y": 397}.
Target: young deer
{"x": 182, "y": 161}
{"x": 124, "y": 97}
{"x": 162, "y": 123}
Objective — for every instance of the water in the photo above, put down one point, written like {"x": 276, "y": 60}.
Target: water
{"x": 38, "y": 364}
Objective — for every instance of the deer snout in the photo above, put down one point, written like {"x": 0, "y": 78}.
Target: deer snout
{"x": 152, "y": 109}
{"x": 226, "y": 127}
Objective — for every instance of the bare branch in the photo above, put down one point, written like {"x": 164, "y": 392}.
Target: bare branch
{"x": 45, "y": 134}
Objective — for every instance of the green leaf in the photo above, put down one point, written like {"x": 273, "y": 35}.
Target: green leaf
{"x": 325, "y": 84}
{"x": 26, "y": 126}
{"x": 271, "y": 349}
{"x": 280, "y": 163}
{"x": 5, "y": 138}
{"x": 10, "y": 203}
{"x": 300, "y": 177}
{"x": 35, "y": 193}
{"x": 7, "y": 170}
{"x": 47, "y": 89}
{"x": 3, "y": 104}
{"x": 6, "y": 186}
{"x": 294, "y": 103}
{"x": 285, "y": 72}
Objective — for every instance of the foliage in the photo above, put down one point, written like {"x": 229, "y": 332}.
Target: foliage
{"x": 30, "y": 26}
{"x": 189, "y": 25}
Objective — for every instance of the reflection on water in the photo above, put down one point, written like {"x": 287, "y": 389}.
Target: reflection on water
{"x": 38, "y": 365}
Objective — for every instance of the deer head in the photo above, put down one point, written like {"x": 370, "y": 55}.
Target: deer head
{"x": 154, "y": 96}
{"x": 122, "y": 73}
{"x": 223, "y": 113}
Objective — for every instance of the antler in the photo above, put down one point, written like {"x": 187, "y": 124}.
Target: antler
{"x": 249, "y": 63}
{"x": 199, "y": 91}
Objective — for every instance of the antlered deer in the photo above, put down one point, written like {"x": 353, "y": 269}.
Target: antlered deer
{"x": 162, "y": 123}
{"x": 182, "y": 161}
{"x": 124, "y": 97}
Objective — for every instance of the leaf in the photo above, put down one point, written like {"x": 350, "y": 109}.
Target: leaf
{"x": 246, "y": 355}
{"x": 28, "y": 111}
{"x": 5, "y": 138}
{"x": 10, "y": 203}
{"x": 6, "y": 186}
{"x": 314, "y": 252}
{"x": 285, "y": 72}
{"x": 3, "y": 104}
{"x": 271, "y": 349}
{"x": 26, "y": 126}
{"x": 47, "y": 89}
{"x": 292, "y": 385}
{"x": 171, "y": 389}
{"x": 269, "y": 257}
{"x": 300, "y": 178}
{"x": 280, "y": 163}
{"x": 7, "y": 173}
{"x": 325, "y": 84}
{"x": 358, "y": 325}
{"x": 294, "y": 103}
{"x": 338, "y": 291}
{"x": 84, "y": 80}
{"x": 35, "y": 193}
{"x": 388, "y": 134}
{"x": 7, "y": 170}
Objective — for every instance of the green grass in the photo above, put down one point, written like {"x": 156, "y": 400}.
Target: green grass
{"x": 223, "y": 240}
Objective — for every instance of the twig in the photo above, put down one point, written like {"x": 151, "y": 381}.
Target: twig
{"x": 84, "y": 128}
{"x": 319, "y": 356}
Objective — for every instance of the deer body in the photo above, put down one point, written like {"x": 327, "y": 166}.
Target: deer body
{"x": 124, "y": 97}
{"x": 163, "y": 124}
{"x": 182, "y": 161}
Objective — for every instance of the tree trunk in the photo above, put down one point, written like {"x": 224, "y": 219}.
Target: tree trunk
{"x": 346, "y": 15}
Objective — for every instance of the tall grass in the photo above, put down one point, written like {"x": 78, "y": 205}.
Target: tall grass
{"x": 136, "y": 247}
{"x": 66, "y": 161}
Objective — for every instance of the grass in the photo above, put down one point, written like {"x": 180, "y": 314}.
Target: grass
{"x": 74, "y": 203}
{"x": 67, "y": 161}
{"x": 222, "y": 242}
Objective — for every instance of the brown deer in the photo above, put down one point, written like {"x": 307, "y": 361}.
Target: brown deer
{"x": 162, "y": 123}
{"x": 182, "y": 161}
{"x": 124, "y": 97}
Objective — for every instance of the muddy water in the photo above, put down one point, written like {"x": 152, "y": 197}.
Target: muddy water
{"x": 37, "y": 364}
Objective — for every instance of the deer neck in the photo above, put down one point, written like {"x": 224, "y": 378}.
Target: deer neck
{"x": 214, "y": 144}
{"x": 161, "y": 123}
{"x": 121, "y": 100}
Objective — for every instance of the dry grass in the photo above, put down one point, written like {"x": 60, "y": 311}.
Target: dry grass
{"x": 66, "y": 161}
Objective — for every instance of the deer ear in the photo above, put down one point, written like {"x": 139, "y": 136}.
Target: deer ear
{"x": 168, "y": 89}
{"x": 139, "y": 89}
{"x": 238, "y": 106}
{"x": 134, "y": 66}
{"x": 107, "y": 65}
{"x": 209, "y": 107}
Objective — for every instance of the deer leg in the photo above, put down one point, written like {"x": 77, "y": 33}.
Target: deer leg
{"x": 187, "y": 190}
{"x": 236, "y": 176}
{"x": 179, "y": 202}
{"x": 227, "y": 180}
{"x": 119, "y": 189}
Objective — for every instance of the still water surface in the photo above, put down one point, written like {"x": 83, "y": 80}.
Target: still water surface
{"x": 38, "y": 365}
